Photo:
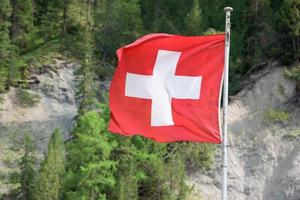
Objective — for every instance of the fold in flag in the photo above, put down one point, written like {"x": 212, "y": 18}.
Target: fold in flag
{"x": 167, "y": 88}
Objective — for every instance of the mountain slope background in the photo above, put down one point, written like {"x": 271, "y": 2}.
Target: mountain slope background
{"x": 56, "y": 61}
{"x": 263, "y": 148}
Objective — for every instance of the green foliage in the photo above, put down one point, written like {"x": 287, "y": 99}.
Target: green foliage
{"x": 259, "y": 16}
{"x": 294, "y": 133}
{"x": 49, "y": 16}
{"x": 290, "y": 13}
{"x": 5, "y": 12}
{"x": 211, "y": 31}
{"x": 198, "y": 156}
{"x": 193, "y": 20}
{"x": 17, "y": 173}
{"x": 86, "y": 89}
{"x": 16, "y": 68}
{"x": 27, "y": 166}
{"x": 276, "y": 115}
{"x": 26, "y": 98}
{"x": 288, "y": 24}
{"x": 290, "y": 16}
{"x": 261, "y": 30}
{"x": 22, "y": 23}
{"x": 118, "y": 22}
{"x": 89, "y": 167}
{"x": 293, "y": 74}
{"x": 102, "y": 165}
{"x": 49, "y": 182}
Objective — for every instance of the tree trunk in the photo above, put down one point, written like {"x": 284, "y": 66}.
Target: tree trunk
{"x": 88, "y": 13}
{"x": 295, "y": 47}
{"x": 65, "y": 14}
{"x": 14, "y": 28}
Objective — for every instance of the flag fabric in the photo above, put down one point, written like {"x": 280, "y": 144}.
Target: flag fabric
{"x": 167, "y": 88}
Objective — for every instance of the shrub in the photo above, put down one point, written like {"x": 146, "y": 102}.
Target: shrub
{"x": 294, "y": 133}
{"x": 25, "y": 98}
{"x": 293, "y": 74}
{"x": 276, "y": 115}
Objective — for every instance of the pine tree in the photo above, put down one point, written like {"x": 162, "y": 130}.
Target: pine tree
{"x": 51, "y": 16}
{"x": 22, "y": 23}
{"x": 27, "y": 166}
{"x": 89, "y": 168}
{"x": 118, "y": 22}
{"x": 5, "y": 12}
{"x": 127, "y": 173}
{"x": 257, "y": 46}
{"x": 50, "y": 178}
{"x": 84, "y": 51}
{"x": 165, "y": 15}
{"x": 193, "y": 20}
{"x": 290, "y": 17}
{"x": 65, "y": 6}
{"x": 86, "y": 93}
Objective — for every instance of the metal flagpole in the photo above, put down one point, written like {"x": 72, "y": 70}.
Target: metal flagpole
{"x": 225, "y": 102}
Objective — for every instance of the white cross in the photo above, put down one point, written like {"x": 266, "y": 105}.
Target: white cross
{"x": 162, "y": 86}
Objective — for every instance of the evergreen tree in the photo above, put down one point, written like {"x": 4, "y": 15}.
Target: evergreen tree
{"x": 5, "y": 12}
{"x": 165, "y": 15}
{"x": 65, "y": 6}
{"x": 16, "y": 66}
{"x": 116, "y": 21}
{"x": 21, "y": 38}
{"x": 28, "y": 162}
{"x": 145, "y": 169}
{"x": 193, "y": 20}
{"x": 83, "y": 49}
{"x": 50, "y": 178}
{"x": 22, "y": 23}
{"x": 86, "y": 92}
{"x": 50, "y": 16}
{"x": 290, "y": 17}
{"x": 256, "y": 45}
{"x": 127, "y": 173}
{"x": 89, "y": 168}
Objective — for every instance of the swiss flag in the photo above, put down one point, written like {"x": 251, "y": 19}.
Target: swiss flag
{"x": 167, "y": 88}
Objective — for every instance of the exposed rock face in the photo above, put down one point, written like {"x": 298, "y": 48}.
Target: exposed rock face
{"x": 55, "y": 109}
{"x": 264, "y": 157}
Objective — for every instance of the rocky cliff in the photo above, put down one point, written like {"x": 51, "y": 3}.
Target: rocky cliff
{"x": 264, "y": 148}
{"x": 55, "y": 107}
{"x": 264, "y": 152}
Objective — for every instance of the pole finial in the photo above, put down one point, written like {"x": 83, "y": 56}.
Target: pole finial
{"x": 228, "y": 9}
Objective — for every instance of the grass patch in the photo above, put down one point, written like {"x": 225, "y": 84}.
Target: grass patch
{"x": 26, "y": 98}
{"x": 293, "y": 74}
{"x": 276, "y": 115}
{"x": 294, "y": 133}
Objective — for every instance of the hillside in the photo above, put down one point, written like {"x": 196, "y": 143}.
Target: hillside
{"x": 264, "y": 148}
{"x": 57, "y": 58}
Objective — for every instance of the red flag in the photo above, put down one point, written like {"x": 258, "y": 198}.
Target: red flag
{"x": 167, "y": 88}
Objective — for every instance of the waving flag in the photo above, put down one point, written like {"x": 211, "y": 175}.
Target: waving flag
{"x": 167, "y": 88}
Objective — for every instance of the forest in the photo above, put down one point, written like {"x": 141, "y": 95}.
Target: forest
{"x": 93, "y": 163}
